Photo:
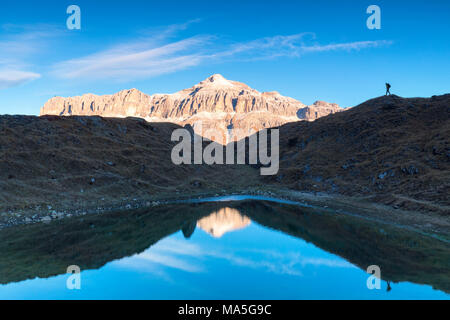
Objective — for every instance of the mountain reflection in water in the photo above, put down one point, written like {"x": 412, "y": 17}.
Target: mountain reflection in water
{"x": 274, "y": 242}
{"x": 222, "y": 221}
{"x": 218, "y": 223}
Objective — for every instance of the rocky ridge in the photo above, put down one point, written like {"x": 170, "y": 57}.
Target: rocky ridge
{"x": 218, "y": 103}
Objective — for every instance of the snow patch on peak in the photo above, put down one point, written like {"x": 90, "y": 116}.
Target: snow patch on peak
{"x": 217, "y": 80}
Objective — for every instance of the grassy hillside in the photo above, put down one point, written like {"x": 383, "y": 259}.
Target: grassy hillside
{"x": 389, "y": 149}
{"x": 60, "y": 163}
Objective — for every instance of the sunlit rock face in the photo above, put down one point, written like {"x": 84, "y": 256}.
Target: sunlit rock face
{"x": 231, "y": 108}
{"x": 223, "y": 221}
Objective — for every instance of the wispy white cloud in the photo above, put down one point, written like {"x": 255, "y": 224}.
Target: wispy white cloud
{"x": 293, "y": 46}
{"x": 155, "y": 55}
{"x": 12, "y": 78}
{"x": 167, "y": 32}
{"x": 18, "y": 45}
{"x": 346, "y": 46}
{"x": 269, "y": 47}
{"x": 134, "y": 60}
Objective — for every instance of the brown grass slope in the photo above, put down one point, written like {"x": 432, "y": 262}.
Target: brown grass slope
{"x": 83, "y": 162}
{"x": 389, "y": 149}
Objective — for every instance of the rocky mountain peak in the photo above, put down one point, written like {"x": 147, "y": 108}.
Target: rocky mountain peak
{"x": 217, "y": 82}
{"x": 218, "y": 102}
{"x": 218, "y": 79}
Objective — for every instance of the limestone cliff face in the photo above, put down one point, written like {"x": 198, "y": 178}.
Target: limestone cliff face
{"x": 218, "y": 103}
{"x": 318, "y": 110}
{"x": 223, "y": 221}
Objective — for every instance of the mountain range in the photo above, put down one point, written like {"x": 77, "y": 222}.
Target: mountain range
{"x": 223, "y": 221}
{"x": 230, "y": 107}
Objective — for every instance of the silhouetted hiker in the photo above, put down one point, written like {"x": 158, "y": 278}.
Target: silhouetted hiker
{"x": 388, "y": 286}
{"x": 388, "y": 87}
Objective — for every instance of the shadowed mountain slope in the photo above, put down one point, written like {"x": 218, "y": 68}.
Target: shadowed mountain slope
{"x": 388, "y": 149}
{"x": 55, "y": 163}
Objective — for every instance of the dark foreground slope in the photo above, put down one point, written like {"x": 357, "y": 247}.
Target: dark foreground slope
{"x": 50, "y": 164}
{"x": 389, "y": 149}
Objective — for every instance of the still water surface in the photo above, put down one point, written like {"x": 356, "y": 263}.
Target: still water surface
{"x": 249, "y": 249}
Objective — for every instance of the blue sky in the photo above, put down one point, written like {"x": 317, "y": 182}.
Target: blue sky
{"x": 308, "y": 50}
